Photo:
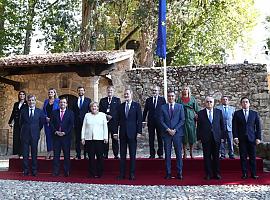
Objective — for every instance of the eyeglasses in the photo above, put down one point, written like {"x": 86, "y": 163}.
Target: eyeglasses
{"x": 209, "y": 101}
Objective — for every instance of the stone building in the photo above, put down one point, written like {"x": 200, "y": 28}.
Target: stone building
{"x": 65, "y": 72}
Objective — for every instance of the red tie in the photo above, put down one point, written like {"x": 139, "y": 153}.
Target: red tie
{"x": 62, "y": 115}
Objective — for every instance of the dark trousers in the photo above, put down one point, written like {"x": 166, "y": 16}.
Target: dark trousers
{"x": 131, "y": 144}
{"x": 95, "y": 149}
{"x": 27, "y": 144}
{"x": 176, "y": 141}
{"x": 17, "y": 146}
{"x": 247, "y": 149}
{"x": 211, "y": 157}
{"x": 78, "y": 138}
{"x": 154, "y": 129}
{"x": 49, "y": 137}
{"x": 115, "y": 146}
{"x": 61, "y": 143}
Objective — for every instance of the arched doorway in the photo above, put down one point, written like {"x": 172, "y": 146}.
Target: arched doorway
{"x": 71, "y": 100}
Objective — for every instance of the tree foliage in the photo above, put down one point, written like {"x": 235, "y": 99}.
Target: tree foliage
{"x": 198, "y": 31}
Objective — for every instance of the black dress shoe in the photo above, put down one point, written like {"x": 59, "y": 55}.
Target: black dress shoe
{"x": 218, "y": 177}
{"x": 25, "y": 173}
{"x": 132, "y": 177}
{"x": 66, "y": 174}
{"x": 222, "y": 157}
{"x": 116, "y": 157}
{"x": 34, "y": 174}
{"x": 151, "y": 157}
{"x": 55, "y": 174}
{"x": 120, "y": 177}
{"x": 231, "y": 157}
{"x": 168, "y": 176}
{"x": 160, "y": 157}
{"x": 244, "y": 176}
{"x": 179, "y": 176}
{"x": 254, "y": 176}
{"x": 207, "y": 177}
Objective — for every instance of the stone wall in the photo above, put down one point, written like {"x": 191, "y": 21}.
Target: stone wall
{"x": 234, "y": 81}
{"x": 64, "y": 83}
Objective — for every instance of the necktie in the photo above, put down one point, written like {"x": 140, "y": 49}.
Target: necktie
{"x": 61, "y": 115}
{"x": 171, "y": 110}
{"x": 210, "y": 116}
{"x": 81, "y": 102}
{"x": 155, "y": 101}
{"x": 225, "y": 112}
{"x": 31, "y": 113}
{"x": 126, "y": 109}
{"x": 246, "y": 115}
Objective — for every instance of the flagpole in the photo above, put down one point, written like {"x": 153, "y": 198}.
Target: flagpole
{"x": 165, "y": 78}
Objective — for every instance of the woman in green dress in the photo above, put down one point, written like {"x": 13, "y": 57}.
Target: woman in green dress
{"x": 191, "y": 109}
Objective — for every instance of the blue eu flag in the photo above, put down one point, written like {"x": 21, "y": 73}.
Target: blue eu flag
{"x": 161, "y": 41}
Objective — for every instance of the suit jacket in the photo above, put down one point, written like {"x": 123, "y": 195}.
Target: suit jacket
{"x": 79, "y": 113}
{"x": 152, "y": 111}
{"x": 55, "y": 106}
{"x": 176, "y": 122}
{"x": 251, "y": 128}
{"x": 132, "y": 125}
{"x": 30, "y": 128}
{"x": 205, "y": 129}
{"x": 66, "y": 124}
{"x": 103, "y": 107}
{"x": 15, "y": 114}
{"x": 227, "y": 119}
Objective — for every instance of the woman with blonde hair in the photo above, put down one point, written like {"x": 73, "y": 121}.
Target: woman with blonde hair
{"x": 94, "y": 135}
{"x": 191, "y": 109}
{"x": 50, "y": 104}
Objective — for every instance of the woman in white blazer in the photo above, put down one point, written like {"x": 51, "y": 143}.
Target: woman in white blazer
{"x": 94, "y": 134}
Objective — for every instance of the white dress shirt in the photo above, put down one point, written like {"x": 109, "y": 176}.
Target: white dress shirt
{"x": 95, "y": 127}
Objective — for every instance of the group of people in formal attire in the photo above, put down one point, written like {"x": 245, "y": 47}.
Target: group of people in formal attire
{"x": 177, "y": 122}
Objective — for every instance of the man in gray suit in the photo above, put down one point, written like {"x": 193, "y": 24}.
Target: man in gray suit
{"x": 227, "y": 112}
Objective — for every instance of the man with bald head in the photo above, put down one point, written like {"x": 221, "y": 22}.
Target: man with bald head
{"x": 210, "y": 131}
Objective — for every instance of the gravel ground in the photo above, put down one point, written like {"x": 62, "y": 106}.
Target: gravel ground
{"x": 48, "y": 190}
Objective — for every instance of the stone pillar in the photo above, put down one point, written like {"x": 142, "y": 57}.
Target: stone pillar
{"x": 94, "y": 87}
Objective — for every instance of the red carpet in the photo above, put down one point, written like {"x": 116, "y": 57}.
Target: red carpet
{"x": 148, "y": 172}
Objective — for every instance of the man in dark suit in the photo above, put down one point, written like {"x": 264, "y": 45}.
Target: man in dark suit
{"x": 109, "y": 106}
{"x": 80, "y": 108}
{"x": 62, "y": 121}
{"x": 31, "y": 122}
{"x": 247, "y": 133}
{"x": 153, "y": 108}
{"x": 129, "y": 118}
{"x": 210, "y": 131}
{"x": 172, "y": 119}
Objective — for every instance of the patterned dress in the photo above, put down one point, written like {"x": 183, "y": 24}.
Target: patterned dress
{"x": 191, "y": 107}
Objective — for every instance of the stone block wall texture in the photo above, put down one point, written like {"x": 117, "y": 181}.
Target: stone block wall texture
{"x": 235, "y": 81}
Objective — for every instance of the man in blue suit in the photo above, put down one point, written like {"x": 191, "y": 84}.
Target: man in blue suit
{"x": 109, "y": 106}
{"x": 31, "y": 122}
{"x": 227, "y": 112}
{"x": 62, "y": 121}
{"x": 210, "y": 131}
{"x": 247, "y": 133}
{"x": 172, "y": 119}
{"x": 80, "y": 108}
{"x": 152, "y": 110}
{"x": 130, "y": 122}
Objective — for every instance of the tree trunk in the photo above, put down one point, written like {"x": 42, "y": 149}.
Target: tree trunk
{"x": 29, "y": 26}
{"x": 85, "y": 29}
{"x": 2, "y": 20}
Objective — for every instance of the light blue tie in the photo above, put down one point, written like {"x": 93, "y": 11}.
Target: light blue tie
{"x": 225, "y": 112}
{"x": 246, "y": 115}
{"x": 210, "y": 116}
